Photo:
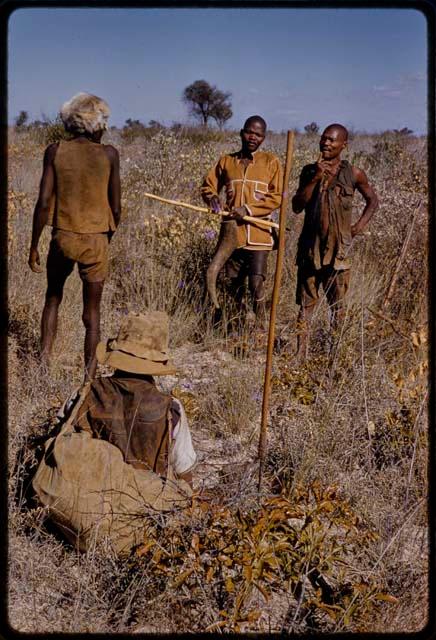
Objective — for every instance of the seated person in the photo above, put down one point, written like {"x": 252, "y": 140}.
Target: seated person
{"x": 148, "y": 426}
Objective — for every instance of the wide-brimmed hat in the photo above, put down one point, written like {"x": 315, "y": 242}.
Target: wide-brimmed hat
{"x": 85, "y": 113}
{"x": 141, "y": 345}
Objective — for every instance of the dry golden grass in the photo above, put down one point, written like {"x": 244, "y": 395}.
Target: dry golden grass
{"x": 347, "y": 443}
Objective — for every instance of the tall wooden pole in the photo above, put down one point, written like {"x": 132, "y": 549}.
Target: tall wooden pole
{"x": 273, "y": 312}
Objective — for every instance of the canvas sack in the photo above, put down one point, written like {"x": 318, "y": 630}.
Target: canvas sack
{"x": 93, "y": 494}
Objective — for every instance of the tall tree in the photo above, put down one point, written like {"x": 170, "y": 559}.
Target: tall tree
{"x": 206, "y": 101}
{"x": 222, "y": 111}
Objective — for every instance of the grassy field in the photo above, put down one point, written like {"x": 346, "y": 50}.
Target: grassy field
{"x": 338, "y": 539}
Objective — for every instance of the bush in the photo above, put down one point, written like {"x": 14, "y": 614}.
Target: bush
{"x": 347, "y": 439}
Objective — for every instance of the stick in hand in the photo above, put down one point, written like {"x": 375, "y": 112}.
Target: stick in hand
{"x": 177, "y": 203}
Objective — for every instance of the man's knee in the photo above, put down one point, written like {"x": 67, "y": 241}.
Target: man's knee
{"x": 306, "y": 312}
{"x": 53, "y": 297}
{"x": 91, "y": 318}
{"x": 336, "y": 288}
{"x": 257, "y": 289}
{"x": 236, "y": 286}
{"x": 91, "y": 306}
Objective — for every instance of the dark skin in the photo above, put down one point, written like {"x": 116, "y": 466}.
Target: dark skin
{"x": 92, "y": 291}
{"x": 252, "y": 136}
{"x": 334, "y": 140}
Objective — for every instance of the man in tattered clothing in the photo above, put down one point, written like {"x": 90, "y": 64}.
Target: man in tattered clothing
{"x": 253, "y": 184}
{"x": 325, "y": 192}
{"x": 80, "y": 197}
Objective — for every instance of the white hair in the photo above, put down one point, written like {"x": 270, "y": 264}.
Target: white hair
{"x": 85, "y": 113}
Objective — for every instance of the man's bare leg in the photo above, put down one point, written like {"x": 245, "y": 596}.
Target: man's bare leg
{"x": 256, "y": 284}
{"x": 237, "y": 292}
{"x": 49, "y": 320}
{"x": 336, "y": 289}
{"x": 337, "y": 317}
{"x": 92, "y": 292}
{"x": 303, "y": 321}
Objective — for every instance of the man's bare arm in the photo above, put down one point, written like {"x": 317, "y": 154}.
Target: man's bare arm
{"x": 114, "y": 188}
{"x": 370, "y": 197}
{"x": 42, "y": 207}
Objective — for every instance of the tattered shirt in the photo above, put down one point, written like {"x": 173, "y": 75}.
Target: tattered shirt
{"x": 326, "y": 236}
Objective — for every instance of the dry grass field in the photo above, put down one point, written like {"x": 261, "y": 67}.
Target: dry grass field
{"x": 337, "y": 541}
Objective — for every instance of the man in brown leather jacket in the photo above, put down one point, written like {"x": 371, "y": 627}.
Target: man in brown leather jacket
{"x": 325, "y": 192}
{"x": 121, "y": 453}
{"x": 127, "y": 409}
{"x": 79, "y": 196}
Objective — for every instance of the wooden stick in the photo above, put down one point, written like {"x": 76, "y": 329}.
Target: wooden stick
{"x": 394, "y": 278}
{"x": 275, "y": 298}
{"x": 177, "y": 203}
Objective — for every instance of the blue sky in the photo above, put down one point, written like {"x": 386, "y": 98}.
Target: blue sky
{"x": 366, "y": 68}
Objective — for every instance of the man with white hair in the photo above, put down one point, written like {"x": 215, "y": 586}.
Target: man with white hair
{"x": 80, "y": 197}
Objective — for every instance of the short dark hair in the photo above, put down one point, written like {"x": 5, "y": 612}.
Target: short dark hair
{"x": 252, "y": 119}
{"x": 339, "y": 127}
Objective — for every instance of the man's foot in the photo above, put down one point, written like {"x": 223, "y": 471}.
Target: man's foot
{"x": 261, "y": 325}
{"x": 217, "y": 317}
{"x": 300, "y": 357}
{"x": 281, "y": 345}
{"x": 45, "y": 363}
{"x": 250, "y": 318}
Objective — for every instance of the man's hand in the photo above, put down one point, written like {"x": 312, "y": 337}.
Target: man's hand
{"x": 238, "y": 214}
{"x": 34, "y": 262}
{"x": 370, "y": 197}
{"x": 215, "y": 204}
{"x": 356, "y": 230}
{"x": 319, "y": 172}
{"x": 324, "y": 169}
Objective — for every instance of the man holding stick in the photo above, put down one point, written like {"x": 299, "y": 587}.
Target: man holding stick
{"x": 325, "y": 192}
{"x": 253, "y": 181}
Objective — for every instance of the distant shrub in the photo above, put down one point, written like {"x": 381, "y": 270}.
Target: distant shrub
{"x": 48, "y": 131}
{"x": 199, "y": 135}
{"x": 311, "y": 128}
{"x": 134, "y": 129}
{"x": 405, "y": 131}
{"x": 155, "y": 124}
{"x": 21, "y": 119}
